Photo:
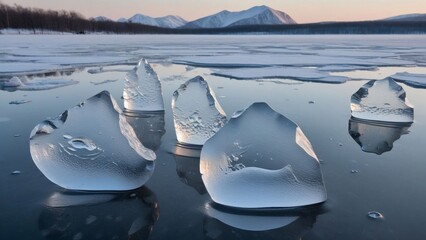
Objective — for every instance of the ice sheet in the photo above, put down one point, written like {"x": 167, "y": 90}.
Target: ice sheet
{"x": 411, "y": 79}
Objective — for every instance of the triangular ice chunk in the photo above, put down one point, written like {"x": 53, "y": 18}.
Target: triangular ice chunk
{"x": 383, "y": 101}
{"x": 197, "y": 114}
{"x": 261, "y": 159}
{"x": 91, "y": 147}
{"x": 142, "y": 89}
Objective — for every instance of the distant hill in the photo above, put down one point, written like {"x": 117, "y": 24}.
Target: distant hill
{"x": 259, "y": 15}
{"x": 170, "y": 21}
{"x": 408, "y": 17}
{"x": 101, "y": 19}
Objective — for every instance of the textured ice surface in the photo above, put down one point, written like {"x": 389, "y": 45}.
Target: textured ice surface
{"x": 24, "y": 84}
{"x": 74, "y": 216}
{"x": 197, "y": 114}
{"x": 304, "y": 74}
{"x": 411, "y": 79}
{"x": 376, "y": 137}
{"x": 142, "y": 89}
{"x": 91, "y": 147}
{"x": 149, "y": 128}
{"x": 382, "y": 100}
{"x": 261, "y": 159}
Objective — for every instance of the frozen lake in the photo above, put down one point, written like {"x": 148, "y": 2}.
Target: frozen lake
{"x": 309, "y": 79}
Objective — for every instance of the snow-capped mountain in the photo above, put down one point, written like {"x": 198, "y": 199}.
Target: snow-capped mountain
{"x": 166, "y": 22}
{"x": 408, "y": 17}
{"x": 101, "y": 19}
{"x": 258, "y": 15}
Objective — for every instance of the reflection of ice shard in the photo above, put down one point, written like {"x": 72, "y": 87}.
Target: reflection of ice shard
{"x": 382, "y": 100}
{"x": 91, "y": 147}
{"x": 261, "y": 159}
{"x": 149, "y": 128}
{"x": 142, "y": 89}
{"x": 99, "y": 216}
{"x": 197, "y": 114}
{"x": 374, "y": 137}
{"x": 234, "y": 224}
{"x": 188, "y": 170}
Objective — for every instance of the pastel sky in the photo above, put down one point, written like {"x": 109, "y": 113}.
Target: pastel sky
{"x": 302, "y": 11}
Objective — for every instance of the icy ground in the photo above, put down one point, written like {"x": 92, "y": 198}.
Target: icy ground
{"x": 43, "y": 53}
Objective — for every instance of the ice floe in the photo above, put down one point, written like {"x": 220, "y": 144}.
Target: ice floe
{"x": 24, "y": 84}
{"x": 411, "y": 79}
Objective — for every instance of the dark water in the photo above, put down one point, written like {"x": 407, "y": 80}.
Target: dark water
{"x": 174, "y": 203}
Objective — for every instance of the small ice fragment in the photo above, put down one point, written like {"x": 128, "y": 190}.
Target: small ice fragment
{"x": 354, "y": 171}
{"x": 16, "y": 172}
{"x": 103, "y": 82}
{"x": 13, "y": 82}
{"x": 95, "y": 70}
{"x": 375, "y": 215}
{"x": 196, "y": 111}
{"x": 17, "y": 135}
{"x": 18, "y": 102}
{"x": 142, "y": 89}
{"x": 69, "y": 151}
{"x": 382, "y": 100}
{"x": 340, "y": 144}
{"x": 292, "y": 178}
{"x": 311, "y": 102}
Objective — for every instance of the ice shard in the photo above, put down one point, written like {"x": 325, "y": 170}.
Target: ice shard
{"x": 149, "y": 127}
{"x": 91, "y": 147}
{"x": 261, "y": 159}
{"x": 70, "y": 215}
{"x": 142, "y": 89}
{"x": 197, "y": 114}
{"x": 376, "y": 137}
{"x": 382, "y": 100}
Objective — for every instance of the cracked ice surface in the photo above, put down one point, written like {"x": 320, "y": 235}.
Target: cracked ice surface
{"x": 91, "y": 147}
{"x": 382, "y": 100}
{"x": 249, "y": 165}
{"x": 142, "y": 89}
{"x": 303, "y": 74}
{"x": 24, "y": 84}
{"x": 196, "y": 111}
{"x": 411, "y": 79}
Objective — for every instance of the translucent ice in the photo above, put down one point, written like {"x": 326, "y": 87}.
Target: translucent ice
{"x": 99, "y": 216}
{"x": 188, "y": 170}
{"x": 261, "y": 159}
{"x": 382, "y": 100}
{"x": 197, "y": 114}
{"x": 24, "y": 84}
{"x": 142, "y": 89}
{"x": 91, "y": 147}
{"x": 374, "y": 137}
{"x": 149, "y": 127}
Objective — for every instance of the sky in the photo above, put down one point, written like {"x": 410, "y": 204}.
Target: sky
{"x": 303, "y": 11}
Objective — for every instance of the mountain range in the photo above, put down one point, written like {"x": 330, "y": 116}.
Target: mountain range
{"x": 258, "y": 15}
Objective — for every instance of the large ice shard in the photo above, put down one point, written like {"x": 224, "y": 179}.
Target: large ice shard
{"x": 142, "y": 89}
{"x": 382, "y": 100}
{"x": 130, "y": 215}
{"x": 91, "y": 147}
{"x": 376, "y": 137}
{"x": 197, "y": 114}
{"x": 149, "y": 127}
{"x": 261, "y": 159}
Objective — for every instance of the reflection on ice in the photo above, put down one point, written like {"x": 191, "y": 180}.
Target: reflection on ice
{"x": 223, "y": 223}
{"x": 374, "y": 137}
{"x": 196, "y": 111}
{"x": 149, "y": 127}
{"x": 99, "y": 216}
{"x": 188, "y": 170}
{"x": 261, "y": 159}
{"x": 142, "y": 89}
{"x": 382, "y": 100}
{"x": 91, "y": 147}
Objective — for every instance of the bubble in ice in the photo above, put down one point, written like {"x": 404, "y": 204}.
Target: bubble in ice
{"x": 376, "y": 137}
{"x": 261, "y": 159}
{"x": 196, "y": 111}
{"x": 142, "y": 89}
{"x": 375, "y": 215}
{"x": 70, "y": 152}
{"x": 382, "y": 100}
